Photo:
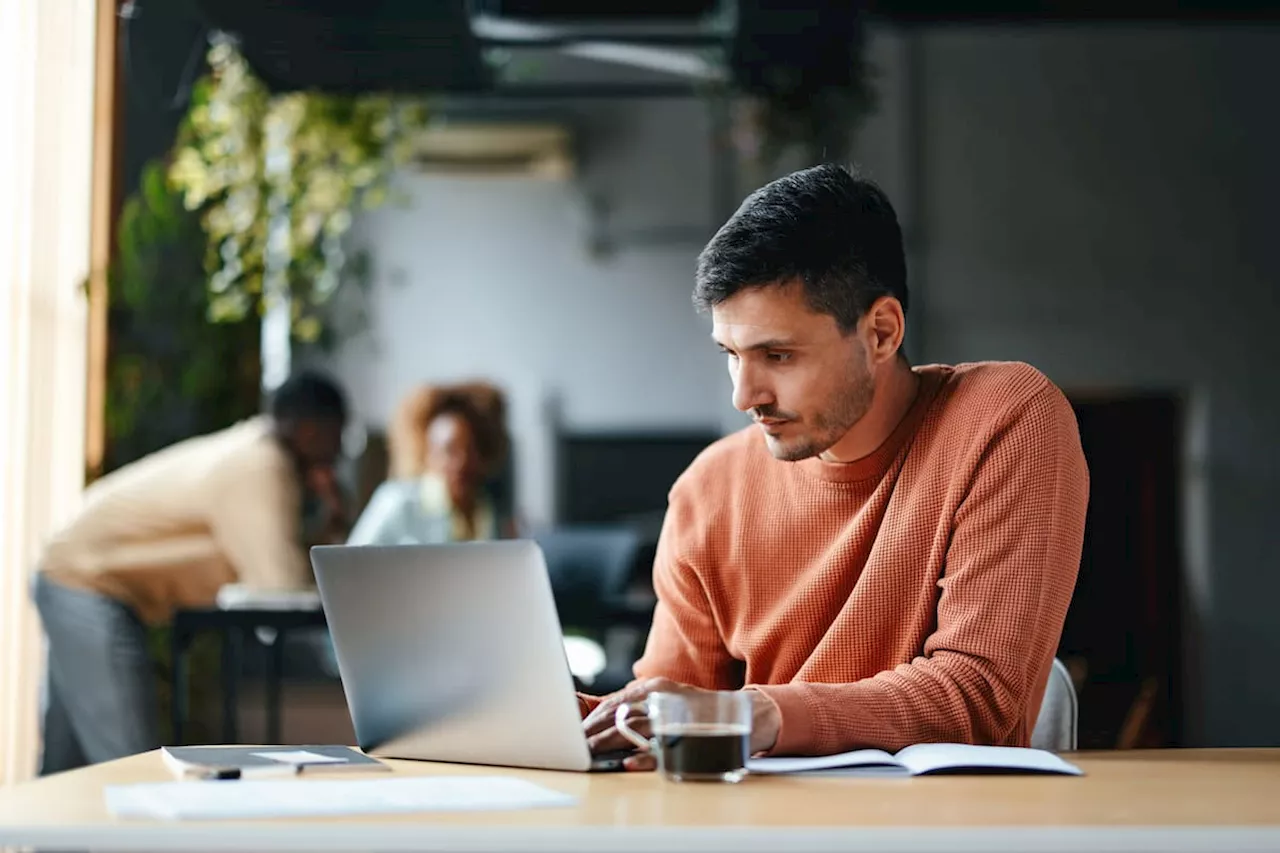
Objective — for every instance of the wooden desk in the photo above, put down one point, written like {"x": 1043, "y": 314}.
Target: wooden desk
{"x": 1149, "y": 801}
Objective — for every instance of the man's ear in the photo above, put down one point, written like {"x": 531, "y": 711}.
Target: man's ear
{"x": 884, "y": 326}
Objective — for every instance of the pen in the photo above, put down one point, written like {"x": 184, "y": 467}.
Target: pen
{"x": 253, "y": 772}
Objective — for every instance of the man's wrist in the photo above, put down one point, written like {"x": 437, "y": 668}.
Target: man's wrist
{"x": 766, "y": 720}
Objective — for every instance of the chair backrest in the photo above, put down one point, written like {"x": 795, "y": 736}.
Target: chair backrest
{"x": 1055, "y": 728}
{"x": 588, "y": 564}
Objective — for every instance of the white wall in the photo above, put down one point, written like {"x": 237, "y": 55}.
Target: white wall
{"x": 1097, "y": 201}
{"x": 492, "y": 278}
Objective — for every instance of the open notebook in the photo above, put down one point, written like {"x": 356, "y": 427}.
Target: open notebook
{"x": 921, "y": 759}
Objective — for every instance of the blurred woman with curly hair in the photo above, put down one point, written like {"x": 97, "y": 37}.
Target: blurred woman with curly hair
{"x": 447, "y": 447}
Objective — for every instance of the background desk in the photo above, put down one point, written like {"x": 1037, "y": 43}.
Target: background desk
{"x": 1148, "y": 801}
{"x": 233, "y": 626}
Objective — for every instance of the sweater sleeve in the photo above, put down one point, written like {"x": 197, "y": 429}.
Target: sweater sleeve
{"x": 685, "y": 643}
{"x": 1008, "y": 576}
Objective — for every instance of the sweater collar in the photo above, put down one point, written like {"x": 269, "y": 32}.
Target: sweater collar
{"x": 874, "y": 465}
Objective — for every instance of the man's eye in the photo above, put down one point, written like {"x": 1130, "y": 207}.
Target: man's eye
{"x": 778, "y": 356}
{"x": 728, "y": 353}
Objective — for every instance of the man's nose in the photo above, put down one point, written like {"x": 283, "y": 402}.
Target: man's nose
{"x": 748, "y": 391}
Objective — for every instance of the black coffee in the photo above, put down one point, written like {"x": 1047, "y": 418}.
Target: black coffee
{"x": 703, "y": 750}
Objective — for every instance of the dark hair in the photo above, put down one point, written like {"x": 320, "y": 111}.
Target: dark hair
{"x": 826, "y": 226}
{"x": 482, "y": 405}
{"x": 488, "y": 431}
{"x": 309, "y": 396}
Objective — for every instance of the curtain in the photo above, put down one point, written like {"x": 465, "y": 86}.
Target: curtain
{"x": 46, "y": 148}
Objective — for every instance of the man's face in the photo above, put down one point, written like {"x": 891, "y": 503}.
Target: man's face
{"x": 316, "y": 445}
{"x": 802, "y": 381}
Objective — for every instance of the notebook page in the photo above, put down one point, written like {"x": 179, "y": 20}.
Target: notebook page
{"x": 858, "y": 758}
{"x": 934, "y": 757}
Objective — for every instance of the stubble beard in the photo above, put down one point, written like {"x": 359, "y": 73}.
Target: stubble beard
{"x": 828, "y": 427}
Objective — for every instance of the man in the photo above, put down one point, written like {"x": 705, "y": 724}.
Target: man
{"x": 886, "y": 557}
{"x": 164, "y": 532}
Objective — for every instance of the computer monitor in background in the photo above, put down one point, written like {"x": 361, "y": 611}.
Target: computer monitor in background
{"x": 621, "y": 477}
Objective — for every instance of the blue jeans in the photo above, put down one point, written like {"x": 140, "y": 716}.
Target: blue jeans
{"x": 100, "y": 692}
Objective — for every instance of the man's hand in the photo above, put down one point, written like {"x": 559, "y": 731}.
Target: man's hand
{"x": 334, "y": 524}
{"x": 603, "y": 735}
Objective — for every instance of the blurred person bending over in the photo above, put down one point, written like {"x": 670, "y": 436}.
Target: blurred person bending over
{"x": 164, "y": 532}
{"x": 448, "y": 444}
{"x": 886, "y": 557}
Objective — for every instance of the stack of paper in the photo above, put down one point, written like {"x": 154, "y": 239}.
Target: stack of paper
{"x": 296, "y": 798}
{"x": 234, "y": 596}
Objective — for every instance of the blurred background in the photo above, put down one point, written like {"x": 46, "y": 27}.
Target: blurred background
{"x": 200, "y": 197}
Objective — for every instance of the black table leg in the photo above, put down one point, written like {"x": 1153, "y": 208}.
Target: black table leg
{"x": 232, "y": 640}
{"x": 235, "y": 626}
{"x": 178, "y": 643}
{"x": 275, "y": 675}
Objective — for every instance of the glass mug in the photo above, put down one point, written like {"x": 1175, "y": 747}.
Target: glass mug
{"x": 696, "y": 736}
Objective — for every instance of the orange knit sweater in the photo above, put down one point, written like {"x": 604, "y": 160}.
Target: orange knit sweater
{"x": 915, "y": 595}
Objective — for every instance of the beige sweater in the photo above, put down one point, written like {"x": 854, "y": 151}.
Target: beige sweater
{"x": 170, "y": 529}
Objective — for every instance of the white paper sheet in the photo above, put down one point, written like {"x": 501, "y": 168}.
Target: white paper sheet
{"x": 298, "y": 798}
{"x": 234, "y": 596}
{"x": 299, "y": 756}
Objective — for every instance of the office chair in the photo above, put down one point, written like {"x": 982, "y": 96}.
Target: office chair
{"x": 1055, "y": 728}
{"x": 589, "y": 567}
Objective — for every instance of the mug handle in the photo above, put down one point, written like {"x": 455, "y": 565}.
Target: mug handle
{"x": 620, "y": 721}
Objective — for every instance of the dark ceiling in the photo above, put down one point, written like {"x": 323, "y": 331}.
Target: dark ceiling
{"x": 354, "y": 45}
{"x": 618, "y": 10}
{"x": 429, "y": 45}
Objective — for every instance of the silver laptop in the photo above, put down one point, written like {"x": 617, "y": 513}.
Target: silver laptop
{"x": 453, "y": 653}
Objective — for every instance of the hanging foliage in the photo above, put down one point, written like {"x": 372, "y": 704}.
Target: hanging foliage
{"x": 805, "y": 84}
{"x": 276, "y": 179}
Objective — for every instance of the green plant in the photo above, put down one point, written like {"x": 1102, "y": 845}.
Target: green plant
{"x": 801, "y": 98}
{"x": 817, "y": 126}
{"x": 276, "y": 179}
{"x": 170, "y": 373}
